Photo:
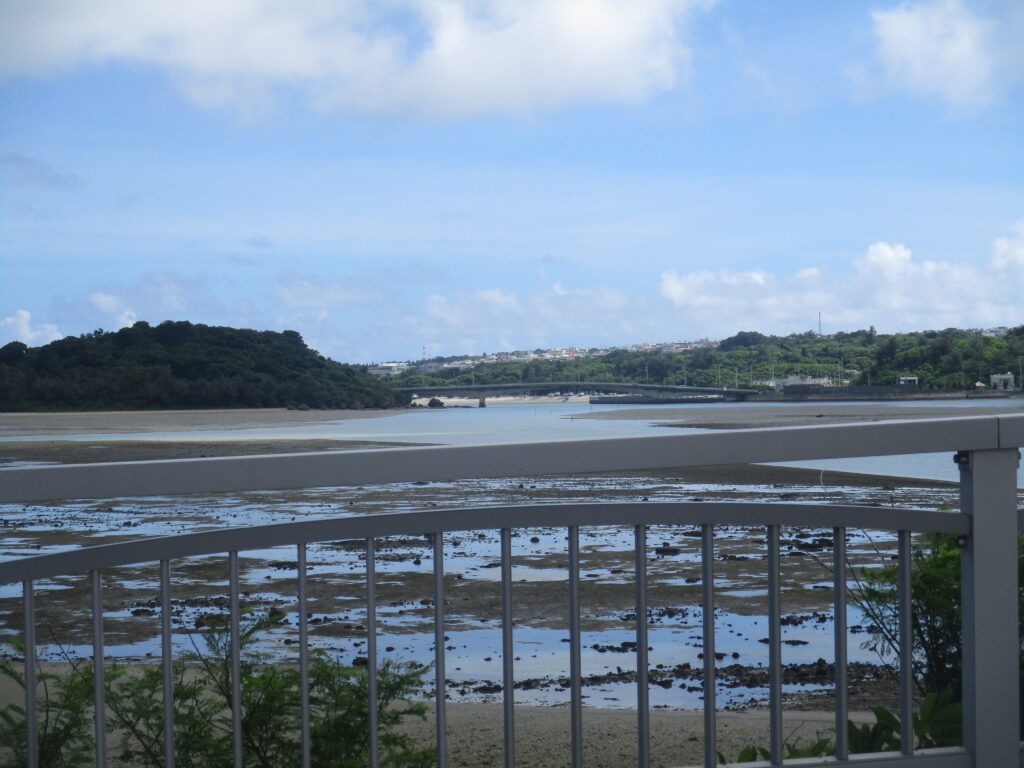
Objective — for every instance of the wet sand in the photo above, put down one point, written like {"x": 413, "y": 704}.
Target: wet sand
{"x": 185, "y": 445}
{"x": 121, "y": 422}
{"x": 88, "y": 451}
{"x": 758, "y": 416}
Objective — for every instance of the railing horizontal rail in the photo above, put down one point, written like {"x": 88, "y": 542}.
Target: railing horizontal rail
{"x": 491, "y": 517}
{"x": 389, "y": 465}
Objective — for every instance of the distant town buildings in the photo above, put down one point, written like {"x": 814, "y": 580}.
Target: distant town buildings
{"x": 1003, "y": 381}
{"x": 391, "y": 369}
{"x": 796, "y": 381}
{"x": 997, "y": 381}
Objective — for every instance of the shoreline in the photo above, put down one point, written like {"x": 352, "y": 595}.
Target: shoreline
{"x": 787, "y": 415}
{"x": 27, "y": 424}
{"x": 14, "y": 453}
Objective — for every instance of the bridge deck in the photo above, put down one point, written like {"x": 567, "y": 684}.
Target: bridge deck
{"x": 548, "y": 387}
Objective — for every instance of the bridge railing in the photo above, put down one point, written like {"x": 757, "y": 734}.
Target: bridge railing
{"x": 985, "y": 448}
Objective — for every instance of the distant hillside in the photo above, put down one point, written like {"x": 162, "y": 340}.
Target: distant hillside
{"x": 950, "y": 359}
{"x": 181, "y": 365}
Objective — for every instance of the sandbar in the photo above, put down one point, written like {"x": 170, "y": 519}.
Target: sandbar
{"x": 122, "y": 422}
{"x": 786, "y": 415}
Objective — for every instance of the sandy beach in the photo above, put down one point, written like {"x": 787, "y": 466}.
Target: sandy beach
{"x": 609, "y": 735}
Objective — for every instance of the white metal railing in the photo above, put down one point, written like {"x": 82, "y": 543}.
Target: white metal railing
{"x": 986, "y": 451}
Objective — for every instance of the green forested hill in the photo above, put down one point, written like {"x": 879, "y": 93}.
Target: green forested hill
{"x": 949, "y": 359}
{"x": 181, "y": 365}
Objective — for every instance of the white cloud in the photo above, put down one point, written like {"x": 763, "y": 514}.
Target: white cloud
{"x": 702, "y": 288}
{"x": 1008, "y": 252}
{"x": 154, "y": 297}
{"x": 115, "y": 306}
{"x": 498, "y": 299}
{"x": 885, "y": 287}
{"x": 19, "y": 327}
{"x": 495, "y": 319}
{"x": 445, "y": 57}
{"x": 940, "y": 49}
{"x": 887, "y": 261}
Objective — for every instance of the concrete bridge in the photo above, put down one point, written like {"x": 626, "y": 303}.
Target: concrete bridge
{"x": 650, "y": 392}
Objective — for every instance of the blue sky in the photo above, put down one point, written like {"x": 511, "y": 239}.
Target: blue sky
{"x": 480, "y": 175}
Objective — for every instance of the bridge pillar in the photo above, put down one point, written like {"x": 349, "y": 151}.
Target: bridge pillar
{"x": 483, "y": 403}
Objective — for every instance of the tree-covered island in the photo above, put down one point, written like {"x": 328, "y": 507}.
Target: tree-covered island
{"x": 182, "y": 365}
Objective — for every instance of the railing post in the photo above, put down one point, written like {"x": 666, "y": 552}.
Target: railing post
{"x": 991, "y": 649}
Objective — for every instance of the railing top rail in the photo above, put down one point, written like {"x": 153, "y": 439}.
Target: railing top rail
{"x": 439, "y": 463}
{"x": 244, "y": 538}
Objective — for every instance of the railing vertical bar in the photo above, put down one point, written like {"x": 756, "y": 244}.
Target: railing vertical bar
{"x": 371, "y": 649}
{"x": 31, "y": 723}
{"x": 575, "y": 663}
{"x": 839, "y": 624}
{"x": 643, "y": 730}
{"x": 99, "y": 686}
{"x": 440, "y": 691}
{"x": 303, "y": 659}
{"x": 906, "y": 647}
{"x": 507, "y": 660}
{"x": 707, "y": 561}
{"x": 774, "y": 648}
{"x": 236, "y": 658}
{"x": 167, "y": 661}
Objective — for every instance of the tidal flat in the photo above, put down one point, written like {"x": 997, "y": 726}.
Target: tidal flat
{"x": 336, "y": 609}
{"x": 336, "y": 584}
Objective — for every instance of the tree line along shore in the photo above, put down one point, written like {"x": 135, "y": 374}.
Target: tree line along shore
{"x": 181, "y": 365}
{"x": 951, "y": 359}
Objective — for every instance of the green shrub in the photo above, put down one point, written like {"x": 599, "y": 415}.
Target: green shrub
{"x": 935, "y": 603}
{"x": 64, "y": 721}
{"x": 202, "y": 698}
